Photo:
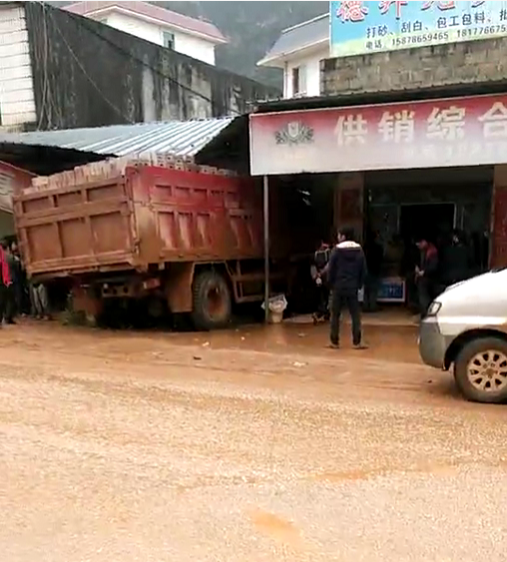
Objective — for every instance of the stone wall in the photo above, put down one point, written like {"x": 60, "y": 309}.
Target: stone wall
{"x": 470, "y": 62}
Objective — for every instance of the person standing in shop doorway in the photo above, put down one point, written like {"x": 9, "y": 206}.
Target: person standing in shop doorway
{"x": 426, "y": 274}
{"x": 374, "y": 258}
{"x": 318, "y": 272}
{"x": 346, "y": 275}
{"x": 455, "y": 261}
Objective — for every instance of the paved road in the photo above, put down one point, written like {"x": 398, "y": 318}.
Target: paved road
{"x": 241, "y": 447}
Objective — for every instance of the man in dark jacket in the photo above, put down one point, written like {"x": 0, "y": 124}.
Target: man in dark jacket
{"x": 318, "y": 272}
{"x": 346, "y": 275}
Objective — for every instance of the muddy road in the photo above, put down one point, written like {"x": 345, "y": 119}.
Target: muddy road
{"x": 250, "y": 445}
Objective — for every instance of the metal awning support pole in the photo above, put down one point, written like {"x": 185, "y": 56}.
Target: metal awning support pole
{"x": 266, "y": 249}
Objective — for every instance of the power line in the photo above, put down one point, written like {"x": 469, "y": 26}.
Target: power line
{"x": 85, "y": 73}
{"x": 83, "y": 22}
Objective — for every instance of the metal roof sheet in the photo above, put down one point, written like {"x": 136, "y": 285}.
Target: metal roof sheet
{"x": 180, "y": 138}
{"x": 300, "y": 36}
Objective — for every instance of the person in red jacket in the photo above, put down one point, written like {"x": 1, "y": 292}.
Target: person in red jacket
{"x": 5, "y": 283}
{"x": 426, "y": 274}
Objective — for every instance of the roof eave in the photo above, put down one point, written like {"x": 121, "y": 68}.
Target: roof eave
{"x": 124, "y": 9}
{"x": 283, "y": 56}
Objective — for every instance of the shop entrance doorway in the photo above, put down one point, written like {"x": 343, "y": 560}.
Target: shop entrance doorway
{"x": 431, "y": 221}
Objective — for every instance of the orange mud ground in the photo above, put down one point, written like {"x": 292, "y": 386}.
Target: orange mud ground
{"x": 249, "y": 445}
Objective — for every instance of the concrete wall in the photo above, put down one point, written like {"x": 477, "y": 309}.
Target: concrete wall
{"x": 95, "y": 75}
{"x": 189, "y": 45}
{"x": 17, "y": 103}
{"x": 459, "y": 63}
{"x": 312, "y": 65}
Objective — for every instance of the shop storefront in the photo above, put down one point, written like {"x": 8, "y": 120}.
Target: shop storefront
{"x": 404, "y": 170}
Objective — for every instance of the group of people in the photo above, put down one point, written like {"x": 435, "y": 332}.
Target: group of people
{"x": 341, "y": 272}
{"x": 18, "y": 296}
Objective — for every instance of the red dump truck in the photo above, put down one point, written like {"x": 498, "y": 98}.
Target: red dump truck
{"x": 188, "y": 238}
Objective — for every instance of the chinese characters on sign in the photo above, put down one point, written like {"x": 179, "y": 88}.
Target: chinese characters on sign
{"x": 441, "y": 132}
{"x": 365, "y": 27}
{"x": 495, "y": 121}
{"x": 351, "y": 129}
{"x": 445, "y": 123}
{"x": 352, "y": 11}
{"x": 434, "y": 133}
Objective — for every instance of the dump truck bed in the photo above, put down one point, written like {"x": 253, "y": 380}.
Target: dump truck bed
{"x": 136, "y": 217}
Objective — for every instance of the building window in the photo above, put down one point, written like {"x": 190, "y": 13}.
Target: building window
{"x": 299, "y": 81}
{"x": 169, "y": 40}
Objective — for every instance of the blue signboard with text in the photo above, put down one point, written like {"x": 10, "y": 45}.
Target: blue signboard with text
{"x": 358, "y": 28}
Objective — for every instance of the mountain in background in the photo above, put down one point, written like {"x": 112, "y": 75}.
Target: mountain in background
{"x": 251, "y": 27}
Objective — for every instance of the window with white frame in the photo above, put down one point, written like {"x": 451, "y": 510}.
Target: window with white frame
{"x": 299, "y": 80}
{"x": 169, "y": 40}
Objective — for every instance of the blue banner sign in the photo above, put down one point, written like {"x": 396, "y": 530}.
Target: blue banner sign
{"x": 358, "y": 28}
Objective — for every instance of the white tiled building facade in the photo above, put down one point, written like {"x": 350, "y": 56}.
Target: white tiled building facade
{"x": 17, "y": 102}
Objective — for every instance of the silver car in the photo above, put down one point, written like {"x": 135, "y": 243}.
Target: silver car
{"x": 466, "y": 328}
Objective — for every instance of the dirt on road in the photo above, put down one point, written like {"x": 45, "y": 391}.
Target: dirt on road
{"x": 250, "y": 445}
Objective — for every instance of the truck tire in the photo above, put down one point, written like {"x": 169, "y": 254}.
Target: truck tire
{"x": 480, "y": 370}
{"x": 212, "y": 303}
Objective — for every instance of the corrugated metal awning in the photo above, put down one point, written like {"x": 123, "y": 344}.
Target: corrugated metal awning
{"x": 179, "y": 138}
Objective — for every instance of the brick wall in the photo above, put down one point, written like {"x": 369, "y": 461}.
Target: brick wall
{"x": 442, "y": 65}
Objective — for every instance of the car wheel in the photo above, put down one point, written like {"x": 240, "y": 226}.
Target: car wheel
{"x": 480, "y": 370}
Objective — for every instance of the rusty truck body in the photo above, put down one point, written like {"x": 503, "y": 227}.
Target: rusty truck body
{"x": 190, "y": 238}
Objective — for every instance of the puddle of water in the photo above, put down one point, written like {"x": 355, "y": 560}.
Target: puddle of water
{"x": 386, "y": 342}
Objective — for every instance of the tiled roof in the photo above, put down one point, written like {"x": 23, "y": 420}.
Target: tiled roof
{"x": 300, "y": 36}
{"x": 179, "y": 138}
{"x": 88, "y": 8}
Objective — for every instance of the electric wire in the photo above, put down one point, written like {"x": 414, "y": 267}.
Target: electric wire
{"x": 83, "y": 22}
{"x": 85, "y": 73}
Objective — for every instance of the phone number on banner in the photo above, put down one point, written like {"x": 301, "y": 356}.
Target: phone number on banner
{"x": 444, "y": 36}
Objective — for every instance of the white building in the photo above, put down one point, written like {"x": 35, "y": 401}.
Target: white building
{"x": 298, "y": 52}
{"x": 189, "y": 36}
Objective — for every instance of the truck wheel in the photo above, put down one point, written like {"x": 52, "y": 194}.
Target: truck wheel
{"x": 480, "y": 370}
{"x": 212, "y": 305}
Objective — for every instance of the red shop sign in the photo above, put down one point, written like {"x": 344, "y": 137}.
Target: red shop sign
{"x": 466, "y": 131}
